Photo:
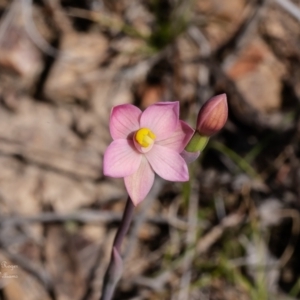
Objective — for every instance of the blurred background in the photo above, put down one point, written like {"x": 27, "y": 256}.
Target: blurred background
{"x": 232, "y": 232}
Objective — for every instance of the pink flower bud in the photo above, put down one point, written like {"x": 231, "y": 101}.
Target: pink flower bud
{"x": 212, "y": 115}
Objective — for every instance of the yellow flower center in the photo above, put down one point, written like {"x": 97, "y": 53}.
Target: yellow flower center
{"x": 144, "y": 137}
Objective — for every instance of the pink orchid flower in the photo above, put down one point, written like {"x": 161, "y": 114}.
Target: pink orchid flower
{"x": 145, "y": 143}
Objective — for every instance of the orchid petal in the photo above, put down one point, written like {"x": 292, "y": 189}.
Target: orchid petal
{"x": 121, "y": 159}
{"x": 124, "y": 120}
{"x": 167, "y": 163}
{"x": 179, "y": 138}
{"x": 189, "y": 157}
{"x": 161, "y": 119}
{"x": 139, "y": 184}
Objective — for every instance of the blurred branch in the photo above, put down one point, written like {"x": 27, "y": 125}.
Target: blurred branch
{"x": 290, "y": 7}
{"x": 245, "y": 33}
{"x": 34, "y": 34}
{"x": 84, "y": 216}
{"x": 61, "y": 20}
{"x": 7, "y": 18}
{"x": 204, "y": 72}
{"x": 55, "y": 161}
{"x": 200, "y": 248}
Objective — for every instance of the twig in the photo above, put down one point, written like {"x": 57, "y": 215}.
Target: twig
{"x": 211, "y": 237}
{"x": 61, "y": 20}
{"x": 204, "y": 72}
{"x": 84, "y": 216}
{"x": 253, "y": 14}
{"x": 290, "y": 7}
{"x": 50, "y": 160}
{"x": 245, "y": 35}
{"x": 33, "y": 33}
{"x": 202, "y": 246}
{"x": 7, "y": 18}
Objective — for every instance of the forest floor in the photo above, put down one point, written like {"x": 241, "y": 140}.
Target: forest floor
{"x": 232, "y": 232}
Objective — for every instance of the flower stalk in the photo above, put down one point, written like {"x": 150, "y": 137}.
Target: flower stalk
{"x": 115, "y": 268}
{"x": 197, "y": 143}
